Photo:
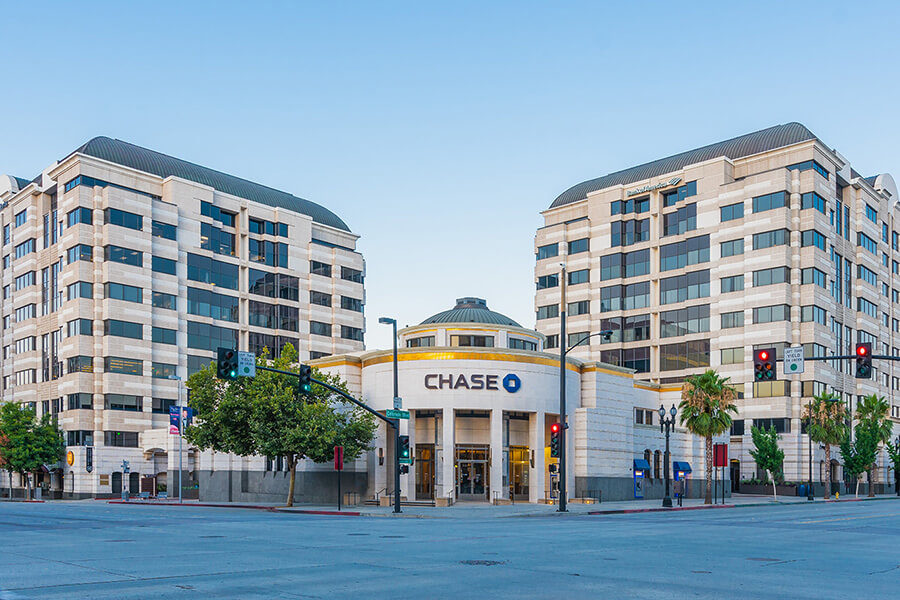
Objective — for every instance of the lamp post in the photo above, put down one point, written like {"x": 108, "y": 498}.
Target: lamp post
{"x": 667, "y": 425}
{"x": 563, "y": 342}
{"x": 393, "y": 322}
{"x": 809, "y": 489}
{"x": 180, "y": 437}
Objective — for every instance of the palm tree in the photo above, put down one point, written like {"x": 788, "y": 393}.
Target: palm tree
{"x": 706, "y": 400}
{"x": 826, "y": 423}
{"x": 872, "y": 412}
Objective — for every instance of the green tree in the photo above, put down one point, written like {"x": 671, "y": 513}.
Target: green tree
{"x": 872, "y": 413}
{"x": 826, "y": 424}
{"x": 706, "y": 401}
{"x": 266, "y": 415}
{"x": 29, "y": 443}
{"x": 767, "y": 454}
{"x": 858, "y": 454}
{"x": 894, "y": 455}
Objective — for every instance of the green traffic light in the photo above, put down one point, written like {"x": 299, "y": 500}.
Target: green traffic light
{"x": 233, "y": 373}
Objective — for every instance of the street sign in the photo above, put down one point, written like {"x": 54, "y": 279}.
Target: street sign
{"x": 793, "y": 360}
{"x": 398, "y": 403}
{"x": 397, "y": 414}
{"x": 405, "y": 461}
{"x": 246, "y": 364}
{"x": 338, "y": 458}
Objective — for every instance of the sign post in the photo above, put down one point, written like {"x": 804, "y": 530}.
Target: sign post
{"x": 720, "y": 460}
{"x": 125, "y": 471}
{"x": 339, "y": 466}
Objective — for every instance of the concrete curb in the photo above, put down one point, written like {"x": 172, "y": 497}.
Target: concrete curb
{"x": 628, "y": 511}
{"x": 280, "y": 509}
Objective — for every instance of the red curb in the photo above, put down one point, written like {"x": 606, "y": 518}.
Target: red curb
{"x": 628, "y": 511}
{"x": 248, "y": 506}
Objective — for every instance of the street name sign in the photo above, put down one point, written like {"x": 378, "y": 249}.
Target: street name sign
{"x": 397, "y": 414}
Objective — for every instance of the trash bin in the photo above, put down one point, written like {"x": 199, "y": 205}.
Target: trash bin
{"x": 801, "y": 490}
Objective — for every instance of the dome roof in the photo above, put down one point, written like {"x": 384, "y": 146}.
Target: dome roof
{"x": 471, "y": 310}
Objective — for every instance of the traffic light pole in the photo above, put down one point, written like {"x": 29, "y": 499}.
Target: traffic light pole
{"x": 395, "y": 423}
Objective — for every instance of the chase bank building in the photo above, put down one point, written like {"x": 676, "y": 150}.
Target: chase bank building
{"x": 482, "y": 396}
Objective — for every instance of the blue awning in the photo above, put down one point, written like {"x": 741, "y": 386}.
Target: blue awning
{"x": 641, "y": 465}
{"x": 678, "y": 465}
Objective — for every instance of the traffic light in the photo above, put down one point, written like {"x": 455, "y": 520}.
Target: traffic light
{"x": 554, "y": 440}
{"x": 864, "y": 361}
{"x": 764, "y": 364}
{"x": 404, "y": 469}
{"x": 226, "y": 364}
{"x": 305, "y": 379}
{"x": 404, "y": 447}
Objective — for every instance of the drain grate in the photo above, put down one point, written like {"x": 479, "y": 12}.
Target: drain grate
{"x": 483, "y": 563}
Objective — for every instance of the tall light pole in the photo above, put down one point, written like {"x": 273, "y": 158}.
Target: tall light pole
{"x": 667, "y": 425}
{"x": 564, "y": 425}
{"x": 180, "y": 437}
{"x": 393, "y": 322}
{"x": 809, "y": 490}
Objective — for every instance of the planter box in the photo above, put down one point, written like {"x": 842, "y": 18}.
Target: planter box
{"x": 766, "y": 489}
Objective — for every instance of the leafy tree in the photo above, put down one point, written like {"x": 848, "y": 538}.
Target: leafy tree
{"x": 826, "y": 424}
{"x": 706, "y": 400}
{"x": 767, "y": 454}
{"x": 859, "y": 454}
{"x": 894, "y": 455}
{"x": 872, "y": 413}
{"x": 266, "y": 415}
{"x": 29, "y": 443}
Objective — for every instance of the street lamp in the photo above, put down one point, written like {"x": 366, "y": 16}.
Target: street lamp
{"x": 393, "y": 322}
{"x": 180, "y": 437}
{"x": 667, "y": 425}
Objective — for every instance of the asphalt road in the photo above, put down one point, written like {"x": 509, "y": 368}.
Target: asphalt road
{"x": 97, "y": 550}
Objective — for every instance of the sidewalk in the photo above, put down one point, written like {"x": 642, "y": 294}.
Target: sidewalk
{"x": 475, "y": 510}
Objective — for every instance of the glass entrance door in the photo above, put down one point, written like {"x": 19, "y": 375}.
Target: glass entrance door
{"x": 424, "y": 471}
{"x": 518, "y": 472}
{"x": 472, "y": 473}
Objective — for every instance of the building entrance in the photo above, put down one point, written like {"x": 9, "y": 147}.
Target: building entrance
{"x": 472, "y": 472}
{"x": 519, "y": 464}
{"x": 424, "y": 471}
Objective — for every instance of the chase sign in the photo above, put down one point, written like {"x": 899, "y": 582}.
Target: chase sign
{"x": 434, "y": 381}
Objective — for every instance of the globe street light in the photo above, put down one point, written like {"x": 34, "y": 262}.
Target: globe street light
{"x": 667, "y": 425}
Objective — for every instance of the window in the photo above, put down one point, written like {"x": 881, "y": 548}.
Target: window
{"x": 680, "y": 254}
{"x": 815, "y": 314}
{"x": 161, "y": 406}
{"x": 732, "y": 248}
{"x": 80, "y": 438}
{"x": 79, "y": 289}
{"x": 263, "y": 227}
{"x": 120, "y": 439}
{"x": 21, "y": 217}
{"x": 163, "y": 265}
{"x": 518, "y": 344}
{"x": 550, "y": 311}
{"x": 579, "y": 246}
{"x": 812, "y": 388}
{"x": 626, "y": 233}
{"x": 348, "y": 274}
{"x": 811, "y": 237}
{"x": 552, "y": 341}
{"x": 124, "y": 402}
{"x": 864, "y": 306}
{"x": 320, "y": 298}
{"x": 735, "y": 283}
{"x": 164, "y": 300}
{"x": 680, "y": 221}
{"x": 214, "y": 212}
{"x": 732, "y": 212}
{"x": 420, "y": 342}
{"x": 684, "y": 321}
{"x": 126, "y": 366}
{"x": 732, "y": 356}
{"x": 633, "y": 205}
{"x": 114, "y": 216}
{"x": 684, "y": 355}
{"x": 319, "y": 328}
{"x": 782, "y": 425}
{"x": 771, "y": 276}
{"x": 221, "y": 242}
{"x": 125, "y": 256}
{"x": 207, "y": 270}
{"x": 354, "y": 304}
{"x": 26, "y": 344}
{"x": 812, "y": 200}
{"x": 79, "y": 252}
{"x": 582, "y": 307}
{"x": 262, "y": 314}
{"x": 732, "y": 319}
{"x": 6, "y": 234}
{"x": 684, "y": 287}
{"x": 161, "y": 335}
{"x": 577, "y": 339}
{"x": 162, "y": 370}
{"x": 637, "y": 263}
{"x": 204, "y": 336}
{"x": 206, "y": 303}
{"x": 79, "y": 215}
{"x": 126, "y": 329}
{"x": 91, "y": 182}
{"x": 26, "y": 312}
{"x": 164, "y": 230}
{"x": 778, "y": 237}
{"x": 80, "y": 327}
{"x": 275, "y": 285}
{"x": 769, "y": 202}
{"x": 871, "y": 214}
{"x": 643, "y": 416}
{"x": 679, "y": 194}
{"x": 547, "y": 281}
{"x": 24, "y": 280}
{"x": 895, "y": 240}
{"x": 25, "y": 248}
{"x": 867, "y": 275}
{"x": 636, "y": 295}
{"x": 809, "y": 164}
{"x": 81, "y": 401}
{"x": 577, "y": 277}
{"x": 26, "y": 377}
{"x": 477, "y": 341}
{"x": 867, "y": 243}
{"x": 320, "y": 268}
{"x": 812, "y": 275}
{"x": 128, "y": 293}
{"x": 770, "y": 314}
{"x": 80, "y": 364}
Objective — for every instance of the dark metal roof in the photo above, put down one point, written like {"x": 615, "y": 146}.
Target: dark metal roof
{"x": 471, "y": 310}
{"x": 745, "y": 145}
{"x": 22, "y": 182}
{"x": 162, "y": 165}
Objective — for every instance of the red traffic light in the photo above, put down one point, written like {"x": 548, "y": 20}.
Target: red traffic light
{"x": 763, "y": 355}
{"x": 555, "y": 428}
{"x": 861, "y": 350}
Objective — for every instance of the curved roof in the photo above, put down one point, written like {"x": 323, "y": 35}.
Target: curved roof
{"x": 163, "y": 165}
{"x": 470, "y": 310}
{"x": 764, "y": 140}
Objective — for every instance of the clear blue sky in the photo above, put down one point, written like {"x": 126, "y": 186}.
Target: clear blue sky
{"x": 439, "y": 131}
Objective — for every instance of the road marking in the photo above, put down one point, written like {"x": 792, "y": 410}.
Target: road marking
{"x": 849, "y": 519}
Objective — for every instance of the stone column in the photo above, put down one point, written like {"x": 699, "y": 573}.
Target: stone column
{"x": 538, "y": 471}
{"x": 496, "y": 481}
{"x": 448, "y": 458}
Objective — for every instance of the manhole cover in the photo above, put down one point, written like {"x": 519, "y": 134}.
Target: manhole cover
{"x": 483, "y": 563}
